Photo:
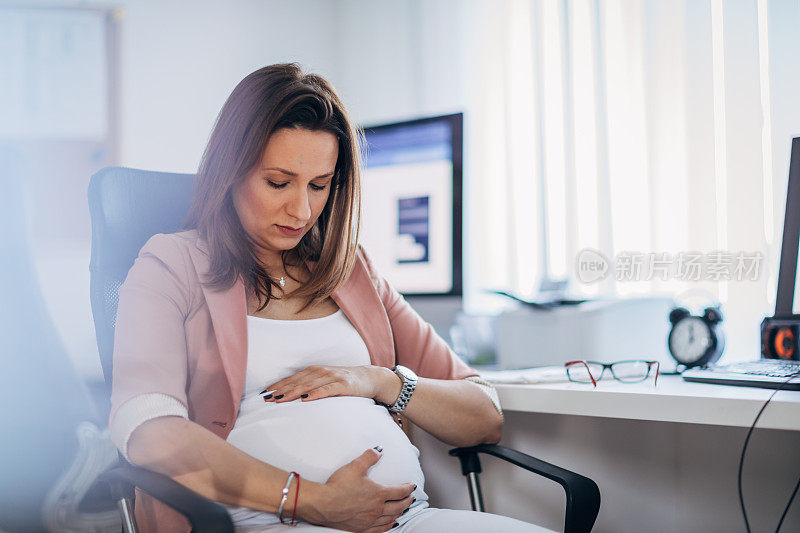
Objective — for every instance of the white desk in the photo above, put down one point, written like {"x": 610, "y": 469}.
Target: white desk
{"x": 672, "y": 400}
{"x": 665, "y": 458}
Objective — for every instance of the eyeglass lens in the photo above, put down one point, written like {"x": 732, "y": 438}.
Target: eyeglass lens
{"x": 630, "y": 371}
{"x": 580, "y": 372}
{"x": 625, "y": 371}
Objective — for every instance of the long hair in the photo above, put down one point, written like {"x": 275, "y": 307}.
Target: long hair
{"x": 269, "y": 99}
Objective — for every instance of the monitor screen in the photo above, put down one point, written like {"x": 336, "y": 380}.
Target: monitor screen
{"x": 787, "y": 304}
{"x": 411, "y": 203}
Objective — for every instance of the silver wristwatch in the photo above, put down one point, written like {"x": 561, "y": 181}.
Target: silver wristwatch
{"x": 409, "y": 384}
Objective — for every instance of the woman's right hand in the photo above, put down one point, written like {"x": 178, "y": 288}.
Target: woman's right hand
{"x": 349, "y": 500}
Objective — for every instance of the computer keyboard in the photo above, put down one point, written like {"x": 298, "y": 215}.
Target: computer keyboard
{"x": 766, "y": 373}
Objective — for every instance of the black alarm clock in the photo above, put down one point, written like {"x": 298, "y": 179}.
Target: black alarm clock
{"x": 696, "y": 340}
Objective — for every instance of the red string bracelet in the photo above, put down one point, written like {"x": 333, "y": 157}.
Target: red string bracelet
{"x": 296, "y": 496}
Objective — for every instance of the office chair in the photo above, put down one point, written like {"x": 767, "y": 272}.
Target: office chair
{"x": 127, "y": 207}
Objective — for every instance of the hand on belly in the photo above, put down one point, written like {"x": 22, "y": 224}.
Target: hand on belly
{"x": 317, "y": 438}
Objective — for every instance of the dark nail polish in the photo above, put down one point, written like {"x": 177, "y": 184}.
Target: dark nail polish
{"x": 304, "y": 395}
{"x": 378, "y": 449}
{"x": 415, "y": 487}
{"x": 267, "y": 397}
{"x": 279, "y": 396}
{"x": 413, "y": 500}
{"x": 394, "y": 525}
{"x": 263, "y": 391}
{"x": 405, "y": 511}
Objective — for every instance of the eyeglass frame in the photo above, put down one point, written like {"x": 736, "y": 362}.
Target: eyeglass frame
{"x": 585, "y": 363}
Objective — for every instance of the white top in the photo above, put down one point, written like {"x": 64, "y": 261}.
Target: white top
{"x": 315, "y": 438}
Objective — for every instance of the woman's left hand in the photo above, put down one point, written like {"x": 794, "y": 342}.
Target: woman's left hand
{"x": 316, "y": 382}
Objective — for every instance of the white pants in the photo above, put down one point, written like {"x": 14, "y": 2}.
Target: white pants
{"x": 428, "y": 520}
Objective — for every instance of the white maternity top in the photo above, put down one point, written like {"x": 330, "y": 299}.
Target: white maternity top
{"x": 315, "y": 438}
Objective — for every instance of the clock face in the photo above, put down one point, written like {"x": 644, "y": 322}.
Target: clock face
{"x": 690, "y": 339}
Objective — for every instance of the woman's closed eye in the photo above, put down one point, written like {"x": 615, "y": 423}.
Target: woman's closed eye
{"x": 282, "y": 185}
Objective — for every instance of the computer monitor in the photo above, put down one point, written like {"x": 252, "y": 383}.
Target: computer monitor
{"x": 412, "y": 204}
{"x": 787, "y": 303}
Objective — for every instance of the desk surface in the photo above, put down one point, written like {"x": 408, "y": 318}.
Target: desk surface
{"x": 673, "y": 400}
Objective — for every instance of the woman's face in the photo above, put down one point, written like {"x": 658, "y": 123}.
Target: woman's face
{"x": 284, "y": 194}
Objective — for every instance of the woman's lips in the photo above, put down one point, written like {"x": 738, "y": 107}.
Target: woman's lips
{"x": 291, "y": 232}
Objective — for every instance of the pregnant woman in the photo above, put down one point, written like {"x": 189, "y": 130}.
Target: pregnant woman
{"x": 259, "y": 358}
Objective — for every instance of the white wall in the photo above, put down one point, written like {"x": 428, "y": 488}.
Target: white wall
{"x": 400, "y": 60}
{"x": 180, "y": 61}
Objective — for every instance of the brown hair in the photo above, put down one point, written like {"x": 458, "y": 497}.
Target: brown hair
{"x": 269, "y": 99}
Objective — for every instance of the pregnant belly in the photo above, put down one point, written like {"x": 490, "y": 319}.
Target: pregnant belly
{"x": 317, "y": 438}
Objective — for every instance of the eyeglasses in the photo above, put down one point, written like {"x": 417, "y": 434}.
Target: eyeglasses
{"x": 633, "y": 371}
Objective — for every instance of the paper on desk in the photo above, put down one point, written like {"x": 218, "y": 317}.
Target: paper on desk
{"x": 539, "y": 374}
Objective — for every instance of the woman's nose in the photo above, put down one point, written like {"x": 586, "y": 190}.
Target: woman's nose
{"x": 299, "y": 207}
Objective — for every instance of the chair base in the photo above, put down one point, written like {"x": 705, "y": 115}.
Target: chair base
{"x": 61, "y": 510}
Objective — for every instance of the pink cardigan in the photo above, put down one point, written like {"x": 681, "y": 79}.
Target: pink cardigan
{"x": 177, "y": 337}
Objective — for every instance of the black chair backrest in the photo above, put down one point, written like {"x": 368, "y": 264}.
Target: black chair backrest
{"x": 127, "y": 207}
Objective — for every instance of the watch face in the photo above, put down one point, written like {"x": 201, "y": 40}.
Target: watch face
{"x": 407, "y": 373}
{"x": 690, "y": 339}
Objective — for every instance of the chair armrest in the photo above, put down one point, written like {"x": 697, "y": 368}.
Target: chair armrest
{"x": 583, "y": 495}
{"x": 205, "y": 515}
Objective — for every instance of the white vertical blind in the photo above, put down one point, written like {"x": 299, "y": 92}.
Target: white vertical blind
{"x": 637, "y": 128}
{"x": 553, "y": 114}
{"x": 585, "y": 103}
{"x": 521, "y": 152}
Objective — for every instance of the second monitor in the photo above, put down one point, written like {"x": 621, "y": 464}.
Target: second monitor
{"x": 412, "y": 204}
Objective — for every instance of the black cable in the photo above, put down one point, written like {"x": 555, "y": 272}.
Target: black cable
{"x": 744, "y": 449}
{"x": 785, "y": 511}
